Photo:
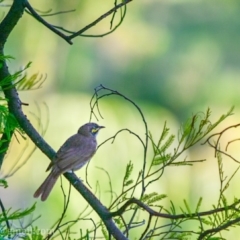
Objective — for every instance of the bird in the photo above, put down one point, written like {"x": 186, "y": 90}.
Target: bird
{"x": 72, "y": 155}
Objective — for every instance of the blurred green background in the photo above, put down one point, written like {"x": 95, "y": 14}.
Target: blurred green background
{"x": 173, "y": 58}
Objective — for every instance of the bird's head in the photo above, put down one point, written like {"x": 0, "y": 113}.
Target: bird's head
{"x": 90, "y": 129}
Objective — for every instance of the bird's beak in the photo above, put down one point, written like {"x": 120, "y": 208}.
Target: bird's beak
{"x": 99, "y": 127}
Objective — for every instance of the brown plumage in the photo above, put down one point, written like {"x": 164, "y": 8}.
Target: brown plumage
{"x": 74, "y": 154}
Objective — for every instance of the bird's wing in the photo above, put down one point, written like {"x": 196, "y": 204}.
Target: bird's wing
{"x": 73, "y": 154}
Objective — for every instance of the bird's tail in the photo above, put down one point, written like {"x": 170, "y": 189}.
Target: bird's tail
{"x": 46, "y": 187}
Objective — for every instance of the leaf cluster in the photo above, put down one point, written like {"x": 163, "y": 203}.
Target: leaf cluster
{"x": 11, "y": 229}
{"x": 190, "y": 133}
{"x": 136, "y": 197}
{"x": 167, "y": 151}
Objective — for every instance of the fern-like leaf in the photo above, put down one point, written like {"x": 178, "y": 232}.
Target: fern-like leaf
{"x": 167, "y": 144}
{"x": 127, "y": 175}
{"x": 156, "y": 198}
{"x": 163, "y": 135}
{"x": 198, "y": 205}
{"x": 162, "y": 159}
{"x": 104, "y": 230}
{"x": 146, "y": 196}
{"x": 31, "y": 83}
{"x": 187, "y": 206}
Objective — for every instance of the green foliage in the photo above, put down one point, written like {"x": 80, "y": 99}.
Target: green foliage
{"x": 104, "y": 231}
{"x": 8, "y": 223}
{"x": 196, "y": 128}
{"x": 8, "y": 122}
{"x": 180, "y": 235}
{"x": 3, "y": 183}
{"x": 198, "y": 204}
{"x": 11, "y": 80}
{"x": 20, "y": 80}
{"x": 119, "y": 222}
{"x": 35, "y": 234}
{"x": 31, "y": 83}
{"x": 31, "y": 233}
{"x": 4, "y": 58}
{"x": 18, "y": 214}
{"x": 187, "y": 207}
{"x": 153, "y": 197}
{"x": 168, "y": 150}
{"x": 129, "y": 169}
{"x": 164, "y": 154}
{"x": 190, "y": 133}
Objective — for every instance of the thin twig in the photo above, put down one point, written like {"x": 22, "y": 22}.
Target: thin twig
{"x": 219, "y": 228}
{"x": 69, "y": 38}
{"x": 45, "y": 23}
{"x": 114, "y": 9}
{"x": 5, "y": 215}
{"x": 65, "y": 207}
{"x": 152, "y": 212}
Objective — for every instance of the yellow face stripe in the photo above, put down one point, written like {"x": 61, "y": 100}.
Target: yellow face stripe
{"x": 94, "y": 130}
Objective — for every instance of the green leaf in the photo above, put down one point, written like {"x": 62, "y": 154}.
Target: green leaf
{"x": 207, "y": 222}
{"x": 3, "y": 183}
{"x": 146, "y": 196}
{"x": 198, "y": 205}
{"x": 187, "y": 206}
{"x": 128, "y": 172}
{"x": 31, "y": 83}
{"x": 164, "y": 134}
{"x": 19, "y": 213}
{"x": 127, "y": 183}
{"x": 156, "y": 198}
{"x": 167, "y": 144}
{"x": 104, "y": 231}
{"x": 8, "y": 81}
{"x": 5, "y": 57}
{"x": 196, "y": 128}
{"x": 161, "y": 159}
{"x": 35, "y": 234}
{"x": 152, "y": 198}
{"x": 172, "y": 208}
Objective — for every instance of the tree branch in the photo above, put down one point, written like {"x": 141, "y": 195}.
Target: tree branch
{"x": 45, "y": 23}
{"x": 219, "y": 228}
{"x": 69, "y": 38}
{"x": 6, "y": 27}
{"x": 10, "y": 21}
{"x": 15, "y": 108}
{"x": 114, "y": 9}
{"x": 5, "y": 215}
{"x": 152, "y": 212}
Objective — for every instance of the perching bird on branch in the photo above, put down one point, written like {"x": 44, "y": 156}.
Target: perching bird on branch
{"x": 72, "y": 155}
